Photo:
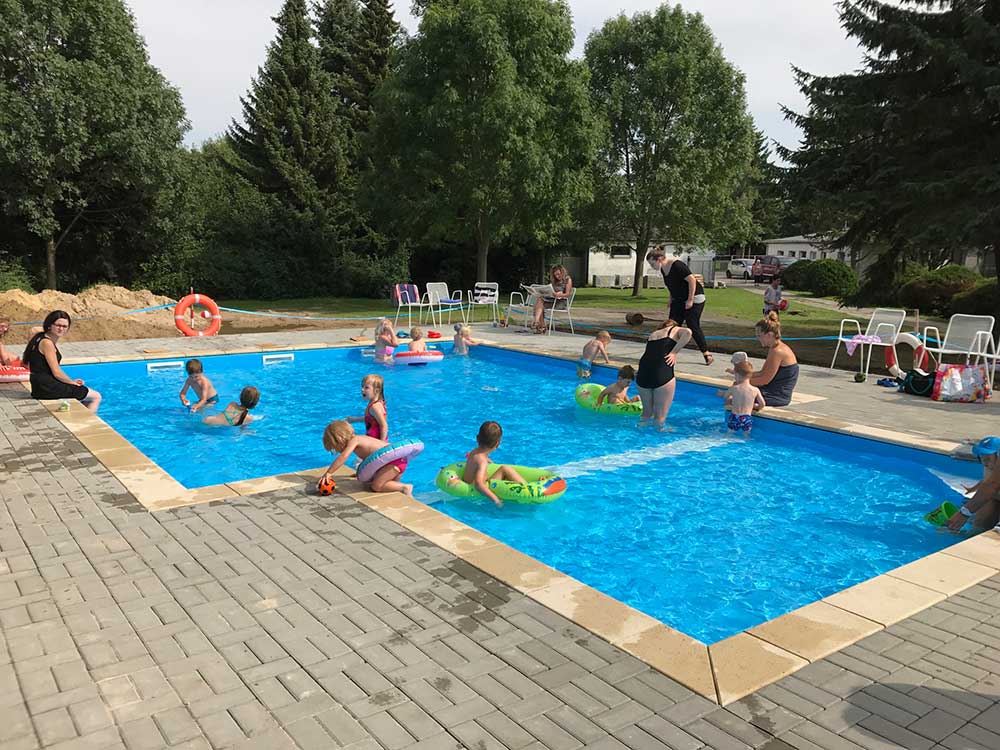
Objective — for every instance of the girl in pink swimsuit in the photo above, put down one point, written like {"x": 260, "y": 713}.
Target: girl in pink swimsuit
{"x": 375, "y": 418}
{"x": 386, "y": 341}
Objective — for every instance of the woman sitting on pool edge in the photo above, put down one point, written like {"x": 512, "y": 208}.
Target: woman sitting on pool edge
{"x": 42, "y": 356}
{"x": 777, "y": 378}
{"x": 237, "y": 414}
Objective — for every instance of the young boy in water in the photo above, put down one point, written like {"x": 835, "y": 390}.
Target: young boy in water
{"x": 742, "y": 400}
{"x": 596, "y": 346}
{"x": 478, "y": 461}
{"x": 617, "y": 392}
{"x": 417, "y": 343}
{"x": 201, "y": 386}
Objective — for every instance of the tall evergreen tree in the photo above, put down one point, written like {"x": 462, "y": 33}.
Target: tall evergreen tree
{"x": 905, "y": 152}
{"x": 292, "y": 140}
{"x": 338, "y": 29}
{"x": 89, "y": 134}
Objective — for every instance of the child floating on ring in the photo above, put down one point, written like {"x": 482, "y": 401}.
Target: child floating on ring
{"x": 385, "y": 341}
{"x": 596, "y": 346}
{"x": 376, "y": 418}
{"x": 742, "y": 400}
{"x": 417, "y": 343}
{"x": 617, "y": 392}
{"x": 463, "y": 339}
{"x": 200, "y": 384}
{"x": 478, "y": 461}
{"x": 339, "y": 437}
{"x": 237, "y": 414}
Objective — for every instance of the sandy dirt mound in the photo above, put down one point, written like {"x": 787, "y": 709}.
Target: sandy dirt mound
{"x": 97, "y": 315}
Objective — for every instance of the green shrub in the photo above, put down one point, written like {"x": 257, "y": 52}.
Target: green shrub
{"x": 796, "y": 276}
{"x": 13, "y": 275}
{"x": 831, "y": 278}
{"x": 933, "y": 291}
{"x": 980, "y": 300}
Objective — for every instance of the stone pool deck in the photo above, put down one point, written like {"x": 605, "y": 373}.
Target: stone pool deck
{"x": 282, "y": 619}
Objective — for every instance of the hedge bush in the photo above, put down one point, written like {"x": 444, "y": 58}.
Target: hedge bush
{"x": 13, "y": 275}
{"x": 796, "y": 276}
{"x": 934, "y": 291}
{"x": 831, "y": 278}
{"x": 980, "y": 300}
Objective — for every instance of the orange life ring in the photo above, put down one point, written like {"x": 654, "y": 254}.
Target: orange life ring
{"x": 920, "y": 356}
{"x": 197, "y": 299}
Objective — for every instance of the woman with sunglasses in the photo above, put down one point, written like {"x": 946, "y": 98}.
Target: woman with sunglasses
{"x": 687, "y": 296}
{"x": 42, "y": 356}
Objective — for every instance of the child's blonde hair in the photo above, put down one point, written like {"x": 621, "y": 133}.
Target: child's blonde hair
{"x": 382, "y": 325}
{"x": 462, "y": 330}
{"x": 377, "y": 384}
{"x": 603, "y": 336}
{"x": 416, "y": 333}
{"x": 743, "y": 370}
{"x": 336, "y": 435}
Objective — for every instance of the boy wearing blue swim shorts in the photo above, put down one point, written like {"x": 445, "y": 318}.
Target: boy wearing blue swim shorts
{"x": 742, "y": 399}
{"x": 597, "y": 346}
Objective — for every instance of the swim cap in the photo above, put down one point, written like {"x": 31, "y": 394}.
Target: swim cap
{"x": 986, "y": 447}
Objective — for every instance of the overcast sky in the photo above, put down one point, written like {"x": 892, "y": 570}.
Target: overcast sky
{"x": 210, "y": 49}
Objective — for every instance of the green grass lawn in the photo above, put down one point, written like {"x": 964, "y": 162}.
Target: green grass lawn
{"x": 730, "y": 304}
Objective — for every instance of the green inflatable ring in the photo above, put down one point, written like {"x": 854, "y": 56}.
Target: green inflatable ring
{"x": 586, "y": 397}
{"x": 542, "y": 487}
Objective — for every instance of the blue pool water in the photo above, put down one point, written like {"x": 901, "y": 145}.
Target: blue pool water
{"x": 707, "y": 532}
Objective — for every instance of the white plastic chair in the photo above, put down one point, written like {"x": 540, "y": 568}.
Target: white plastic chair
{"x": 485, "y": 293}
{"x": 967, "y": 335}
{"x": 441, "y": 299}
{"x": 885, "y": 322}
{"x": 408, "y": 297}
{"x": 550, "y": 314}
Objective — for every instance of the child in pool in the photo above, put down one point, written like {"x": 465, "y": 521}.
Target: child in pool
{"x": 596, "y": 346}
{"x": 201, "y": 385}
{"x": 385, "y": 341}
{"x": 742, "y": 400}
{"x": 463, "y": 339}
{"x": 617, "y": 392}
{"x": 478, "y": 461}
{"x": 376, "y": 418}
{"x": 417, "y": 343}
{"x": 237, "y": 414}
{"x": 339, "y": 437}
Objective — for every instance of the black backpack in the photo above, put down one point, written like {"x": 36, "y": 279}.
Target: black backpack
{"x": 917, "y": 383}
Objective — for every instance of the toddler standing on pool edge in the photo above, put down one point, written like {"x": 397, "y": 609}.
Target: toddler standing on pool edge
{"x": 339, "y": 437}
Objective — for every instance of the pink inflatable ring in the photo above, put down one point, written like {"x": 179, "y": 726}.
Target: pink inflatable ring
{"x": 383, "y": 456}
{"x": 419, "y": 358}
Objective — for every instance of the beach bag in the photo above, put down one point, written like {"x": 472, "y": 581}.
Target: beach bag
{"x": 917, "y": 383}
{"x": 963, "y": 383}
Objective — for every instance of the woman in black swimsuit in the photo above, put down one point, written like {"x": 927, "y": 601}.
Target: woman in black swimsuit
{"x": 42, "y": 356}
{"x": 655, "y": 378}
{"x": 687, "y": 296}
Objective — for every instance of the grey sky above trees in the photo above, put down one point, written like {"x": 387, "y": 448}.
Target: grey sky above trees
{"x": 210, "y": 50}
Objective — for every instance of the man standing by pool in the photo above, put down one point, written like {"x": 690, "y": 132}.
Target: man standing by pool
{"x": 687, "y": 296}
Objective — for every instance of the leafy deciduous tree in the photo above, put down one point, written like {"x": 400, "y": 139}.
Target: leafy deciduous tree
{"x": 485, "y": 127}
{"x": 678, "y": 140}
{"x": 89, "y": 129}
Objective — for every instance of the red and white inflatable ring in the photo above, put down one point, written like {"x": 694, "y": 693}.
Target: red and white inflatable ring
{"x": 419, "y": 358}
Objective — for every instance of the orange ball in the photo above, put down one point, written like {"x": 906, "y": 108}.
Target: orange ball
{"x": 326, "y": 486}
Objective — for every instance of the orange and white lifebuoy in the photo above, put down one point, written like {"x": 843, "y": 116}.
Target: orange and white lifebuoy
{"x": 920, "y": 356}
{"x": 197, "y": 299}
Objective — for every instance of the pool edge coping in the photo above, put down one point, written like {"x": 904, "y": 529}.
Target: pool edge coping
{"x": 722, "y": 672}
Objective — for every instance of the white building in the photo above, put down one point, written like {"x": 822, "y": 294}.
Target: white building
{"x": 801, "y": 247}
{"x": 613, "y": 263}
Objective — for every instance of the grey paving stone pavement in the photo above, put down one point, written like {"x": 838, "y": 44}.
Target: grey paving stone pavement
{"x": 286, "y": 620}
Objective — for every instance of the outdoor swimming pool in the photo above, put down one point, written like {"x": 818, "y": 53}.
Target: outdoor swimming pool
{"x": 709, "y": 533}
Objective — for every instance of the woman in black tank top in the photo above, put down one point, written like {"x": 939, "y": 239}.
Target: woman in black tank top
{"x": 655, "y": 378}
